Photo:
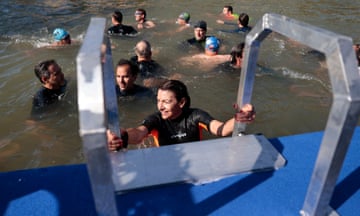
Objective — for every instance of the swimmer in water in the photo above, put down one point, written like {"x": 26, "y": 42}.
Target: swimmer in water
{"x": 198, "y": 41}
{"x": 150, "y": 72}
{"x": 237, "y": 55}
{"x": 61, "y": 37}
{"x": 183, "y": 19}
{"x": 53, "y": 87}
{"x": 125, "y": 74}
{"x": 228, "y": 14}
{"x": 141, "y": 21}
{"x": 242, "y": 24}
{"x": 118, "y": 28}
{"x": 209, "y": 58}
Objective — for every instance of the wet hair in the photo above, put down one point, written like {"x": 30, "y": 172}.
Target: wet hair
{"x": 42, "y": 69}
{"x": 67, "y": 39}
{"x": 146, "y": 52}
{"x": 237, "y": 52}
{"x": 134, "y": 69}
{"x": 117, "y": 16}
{"x": 244, "y": 19}
{"x": 179, "y": 89}
{"x": 142, "y": 11}
{"x": 230, "y": 8}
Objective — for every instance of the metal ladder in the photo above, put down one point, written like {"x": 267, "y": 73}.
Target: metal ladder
{"x": 112, "y": 173}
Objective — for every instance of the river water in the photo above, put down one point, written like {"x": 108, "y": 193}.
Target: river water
{"x": 292, "y": 93}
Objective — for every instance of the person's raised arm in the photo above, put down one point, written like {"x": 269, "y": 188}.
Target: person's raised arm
{"x": 245, "y": 115}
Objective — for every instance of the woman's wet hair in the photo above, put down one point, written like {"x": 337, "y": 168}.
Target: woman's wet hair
{"x": 179, "y": 89}
{"x": 236, "y": 52}
{"x": 244, "y": 19}
{"x": 118, "y": 16}
{"x": 41, "y": 69}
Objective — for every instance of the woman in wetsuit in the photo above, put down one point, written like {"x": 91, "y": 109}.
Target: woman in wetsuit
{"x": 175, "y": 122}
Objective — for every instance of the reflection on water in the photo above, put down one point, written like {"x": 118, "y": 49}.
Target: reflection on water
{"x": 292, "y": 92}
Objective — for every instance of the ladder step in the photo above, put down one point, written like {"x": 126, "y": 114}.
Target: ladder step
{"x": 197, "y": 162}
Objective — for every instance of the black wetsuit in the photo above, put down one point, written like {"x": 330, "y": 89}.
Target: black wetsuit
{"x": 200, "y": 44}
{"x": 148, "y": 69}
{"x": 183, "y": 129}
{"x": 44, "y": 97}
{"x": 137, "y": 91}
{"x": 121, "y": 30}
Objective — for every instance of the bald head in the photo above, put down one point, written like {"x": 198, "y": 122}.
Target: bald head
{"x": 143, "y": 49}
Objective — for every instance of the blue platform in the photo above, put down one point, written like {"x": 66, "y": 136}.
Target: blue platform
{"x": 65, "y": 190}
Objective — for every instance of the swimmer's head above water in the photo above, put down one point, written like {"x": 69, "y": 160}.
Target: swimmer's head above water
{"x": 200, "y": 30}
{"x": 61, "y": 36}
{"x": 212, "y": 45}
{"x": 183, "y": 18}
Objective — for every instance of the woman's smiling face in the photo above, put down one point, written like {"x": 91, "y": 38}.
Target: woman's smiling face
{"x": 168, "y": 105}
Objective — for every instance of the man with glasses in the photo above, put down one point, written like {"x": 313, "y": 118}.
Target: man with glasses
{"x": 142, "y": 22}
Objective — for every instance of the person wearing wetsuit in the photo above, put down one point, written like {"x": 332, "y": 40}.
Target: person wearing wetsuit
{"x": 148, "y": 68}
{"x": 200, "y": 36}
{"x": 125, "y": 74}
{"x": 118, "y": 28}
{"x": 185, "y": 128}
{"x": 151, "y": 73}
{"x": 53, "y": 85}
{"x": 141, "y": 21}
{"x": 175, "y": 121}
{"x": 242, "y": 24}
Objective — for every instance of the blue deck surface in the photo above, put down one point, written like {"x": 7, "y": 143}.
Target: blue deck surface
{"x": 65, "y": 190}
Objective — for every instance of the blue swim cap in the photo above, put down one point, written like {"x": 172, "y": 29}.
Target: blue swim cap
{"x": 212, "y": 44}
{"x": 60, "y": 34}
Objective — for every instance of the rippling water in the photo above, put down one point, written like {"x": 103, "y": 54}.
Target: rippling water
{"x": 292, "y": 92}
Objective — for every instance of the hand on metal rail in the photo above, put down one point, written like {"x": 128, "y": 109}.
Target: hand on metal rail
{"x": 246, "y": 114}
{"x": 116, "y": 143}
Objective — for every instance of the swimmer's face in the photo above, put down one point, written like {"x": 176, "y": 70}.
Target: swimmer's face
{"x": 138, "y": 16}
{"x": 199, "y": 33}
{"x": 180, "y": 21}
{"x": 124, "y": 79}
{"x": 56, "y": 79}
{"x": 168, "y": 105}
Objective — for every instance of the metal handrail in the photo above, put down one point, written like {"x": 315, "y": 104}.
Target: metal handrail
{"x": 345, "y": 109}
{"x": 342, "y": 120}
{"x": 93, "y": 123}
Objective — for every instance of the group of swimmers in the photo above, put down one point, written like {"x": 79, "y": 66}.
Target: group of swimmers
{"x": 175, "y": 121}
